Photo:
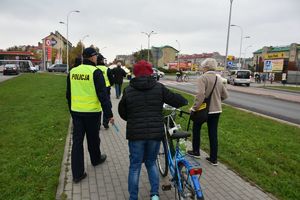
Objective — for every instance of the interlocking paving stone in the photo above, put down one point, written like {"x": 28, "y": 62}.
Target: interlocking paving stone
{"x": 108, "y": 181}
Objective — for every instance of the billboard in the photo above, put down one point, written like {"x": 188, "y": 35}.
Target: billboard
{"x": 273, "y": 65}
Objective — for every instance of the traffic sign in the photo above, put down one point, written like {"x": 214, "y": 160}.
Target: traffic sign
{"x": 48, "y": 42}
{"x": 268, "y": 66}
{"x": 53, "y": 42}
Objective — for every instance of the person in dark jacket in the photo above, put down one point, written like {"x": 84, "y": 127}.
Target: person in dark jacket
{"x": 108, "y": 82}
{"x": 87, "y": 97}
{"x": 118, "y": 74}
{"x": 141, "y": 106}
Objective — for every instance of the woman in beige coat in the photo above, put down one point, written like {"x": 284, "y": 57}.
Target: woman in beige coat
{"x": 205, "y": 85}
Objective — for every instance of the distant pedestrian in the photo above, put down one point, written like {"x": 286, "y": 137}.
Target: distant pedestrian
{"x": 271, "y": 78}
{"x": 141, "y": 106}
{"x": 118, "y": 74}
{"x": 205, "y": 84}
{"x": 257, "y": 78}
{"x": 108, "y": 82}
{"x": 283, "y": 79}
{"x": 87, "y": 97}
{"x": 263, "y": 78}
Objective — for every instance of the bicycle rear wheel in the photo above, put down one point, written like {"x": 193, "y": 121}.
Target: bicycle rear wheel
{"x": 186, "y": 78}
{"x": 188, "y": 192}
{"x": 162, "y": 159}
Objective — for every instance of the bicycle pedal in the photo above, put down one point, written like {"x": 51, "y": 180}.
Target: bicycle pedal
{"x": 166, "y": 187}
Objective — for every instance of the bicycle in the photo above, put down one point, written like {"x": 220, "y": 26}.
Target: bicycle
{"x": 185, "y": 170}
{"x": 184, "y": 77}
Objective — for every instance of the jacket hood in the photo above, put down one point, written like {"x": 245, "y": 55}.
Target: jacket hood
{"x": 143, "y": 82}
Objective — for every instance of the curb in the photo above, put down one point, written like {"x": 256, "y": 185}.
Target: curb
{"x": 268, "y": 95}
{"x": 64, "y": 166}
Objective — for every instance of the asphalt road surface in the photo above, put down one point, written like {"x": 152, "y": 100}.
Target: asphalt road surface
{"x": 263, "y": 104}
{"x": 6, "y": 77}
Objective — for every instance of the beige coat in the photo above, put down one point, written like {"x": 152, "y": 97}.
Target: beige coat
{"x": 205, "y": 84}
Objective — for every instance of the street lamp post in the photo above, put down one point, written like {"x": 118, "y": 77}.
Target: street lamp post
{"x": 241, "y": 42}
{"x": 245, "y": 54}
{"x": 228, "y": 33}
{"x": 179, "y": 49}
{"x": 148, "y": 35}
{"x": 61, "y": 22}
{"x": 81, "y": 41}
{"x": 73, "y": 11}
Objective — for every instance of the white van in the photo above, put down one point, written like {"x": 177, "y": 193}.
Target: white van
{"x": 239, "y": 77}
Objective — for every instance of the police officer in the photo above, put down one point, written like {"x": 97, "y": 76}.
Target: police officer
{"x": 108, "y": 82}
{"x": 87, "y": 97}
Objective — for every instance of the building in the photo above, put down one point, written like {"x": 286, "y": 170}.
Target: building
{"x": 163, "y": 55}
{"x": 195, "y": 60}
{"x": 278, "y": 60}
{"x": 22, "y": 58}
{"x": 127, "y": 60}
{"x": 59, "y": 43}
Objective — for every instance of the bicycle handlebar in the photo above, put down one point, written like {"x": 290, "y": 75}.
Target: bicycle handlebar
{"x": 166, "y": 106}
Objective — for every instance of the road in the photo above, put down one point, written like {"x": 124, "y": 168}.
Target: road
{"x": 259, "y": 100}
{"x": 6, "y": 77}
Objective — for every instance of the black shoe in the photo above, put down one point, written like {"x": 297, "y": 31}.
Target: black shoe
{"x": 212, "y": 162}
{"x": 77, "y": 180}
{"x": 102, "y": 159}
{"x": 106, "y": 126}
{"x": 194, "y": 154}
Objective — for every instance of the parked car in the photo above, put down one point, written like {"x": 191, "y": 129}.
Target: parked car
{"x": 11, "y": 69}
{"x": 160, "y": 73}
{"x": 155, "y": 75}
{"x": 58, "y": 68}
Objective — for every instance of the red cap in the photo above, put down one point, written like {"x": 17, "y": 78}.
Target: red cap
{"x": 142, "y": 68}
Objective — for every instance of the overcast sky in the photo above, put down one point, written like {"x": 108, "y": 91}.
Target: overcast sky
{"x": 200, "y": 26}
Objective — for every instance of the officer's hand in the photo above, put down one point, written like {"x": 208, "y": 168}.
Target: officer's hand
{"x": 111, "y": 120}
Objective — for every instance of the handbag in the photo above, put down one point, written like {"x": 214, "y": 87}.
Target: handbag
{"x": 201, "y": 115}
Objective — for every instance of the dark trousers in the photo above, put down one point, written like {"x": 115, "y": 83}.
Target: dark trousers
{"x": 118, "y": 88}
{"x": 90, "y": 126}
{"x": 212, "y": 124}
{"x": 105, "y": 120}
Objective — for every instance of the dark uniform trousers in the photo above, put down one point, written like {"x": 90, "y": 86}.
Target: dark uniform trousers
{"x": 90, "y": 126}
{"x": 106, "y": 120}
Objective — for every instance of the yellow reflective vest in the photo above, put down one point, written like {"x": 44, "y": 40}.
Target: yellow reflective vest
{"x": 83, "y": 93}
{"x": 104, "y": 72}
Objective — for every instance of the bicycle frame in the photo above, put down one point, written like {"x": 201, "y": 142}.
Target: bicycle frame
{"x": 179, "y": 159}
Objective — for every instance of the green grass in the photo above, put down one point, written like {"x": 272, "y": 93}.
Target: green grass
{"x": 33, "y": 128}
{"x": 261, "y": 150}
{"x": 287, "y": 88}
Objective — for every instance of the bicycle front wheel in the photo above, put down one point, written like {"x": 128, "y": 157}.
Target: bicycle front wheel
{"x": 162, "y": 159}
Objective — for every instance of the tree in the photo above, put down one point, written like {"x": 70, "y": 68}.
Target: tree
{"x": 75, "y": 52}
{"x": 142, "y": 55}
{"x": 14, "y": 48}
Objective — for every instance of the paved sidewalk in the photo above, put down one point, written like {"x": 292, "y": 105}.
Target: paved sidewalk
{"x": 109, "y": 180}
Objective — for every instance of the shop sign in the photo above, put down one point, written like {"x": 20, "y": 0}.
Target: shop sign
{"x": 274, "y": 55}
